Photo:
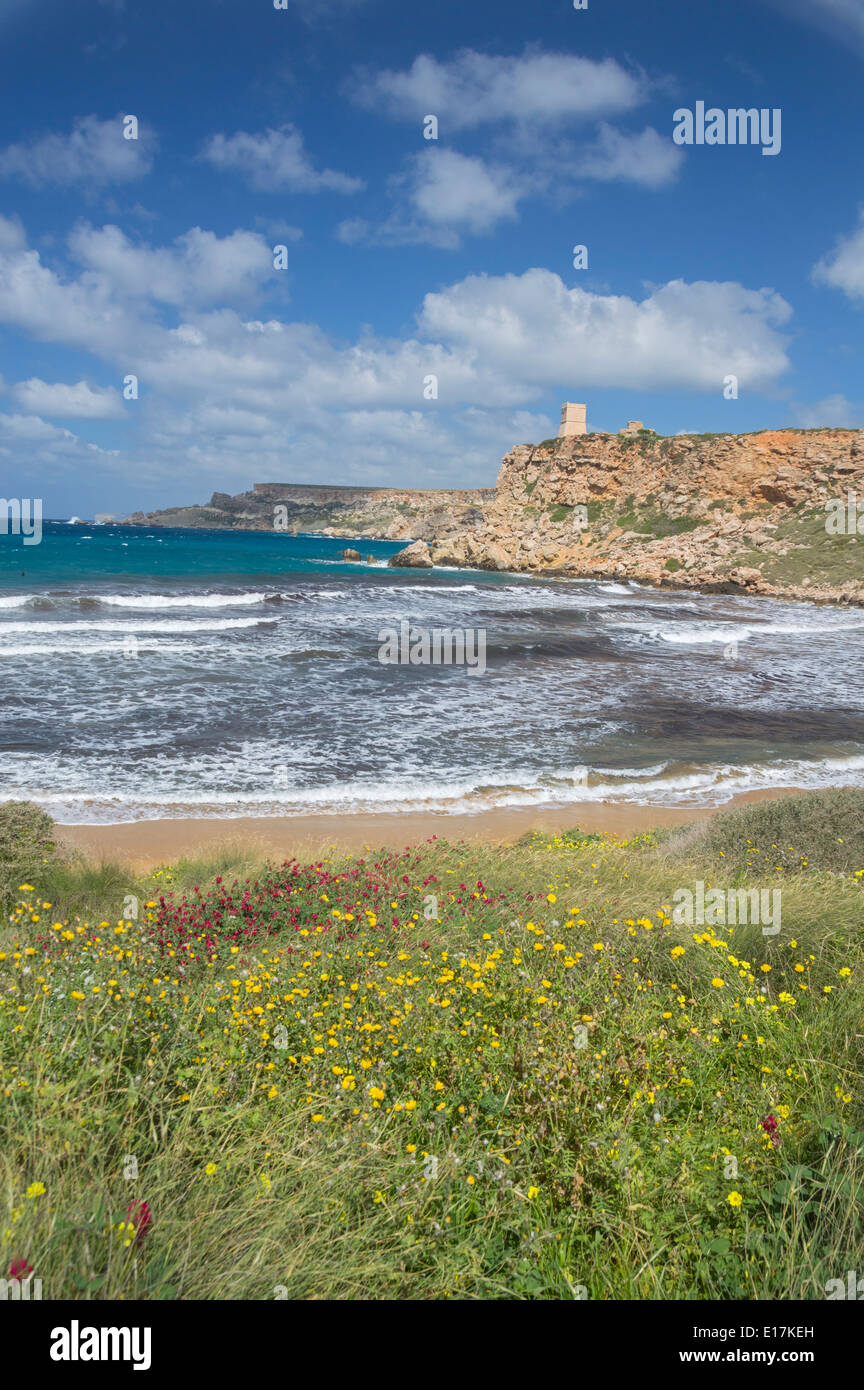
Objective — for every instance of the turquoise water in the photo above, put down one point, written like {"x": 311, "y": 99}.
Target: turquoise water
{"x": 173, "y": 673}
{"x": 72, "y": 554}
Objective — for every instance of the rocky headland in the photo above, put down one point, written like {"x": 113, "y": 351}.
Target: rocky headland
{"x": 729, "y": 513}
{"x": 737, "y": 513}
{"x": 393, "y": 514}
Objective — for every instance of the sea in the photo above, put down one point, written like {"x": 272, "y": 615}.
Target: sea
{"x": 170, "y": 673}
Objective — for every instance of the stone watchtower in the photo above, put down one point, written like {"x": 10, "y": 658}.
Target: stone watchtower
{"x": 572, "y": 419}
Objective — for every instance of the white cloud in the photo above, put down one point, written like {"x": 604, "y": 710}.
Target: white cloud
{"x": 94, "y": 153}
{"x": 458, "y": 190}
{"x": 35, "y": 299}
{"x": 843, "y": 268}
{"x": 274, "y": 160}
{"x": 230, "y": 400}
{"x": 834, "y": 411}
{"x": 473, "y": 89}
{"x": 81, "y": 402}
{"x": 840, "y": 19}
{"x": 28, "y": 443}
{"x": 533, "y": 330}
{"x": 528, "y": 105}
{"x": 646, "y": 158}
{"x": 440, "y": 195}
{"x": 198, "y": 268}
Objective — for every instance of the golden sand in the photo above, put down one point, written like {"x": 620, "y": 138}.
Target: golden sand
{"x": 146, "y": 844}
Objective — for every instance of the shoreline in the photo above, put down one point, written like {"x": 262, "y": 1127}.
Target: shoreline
{"x": 149, "y": 844}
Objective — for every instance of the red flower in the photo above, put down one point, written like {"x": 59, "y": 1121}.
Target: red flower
{"x": 139, "y": 1215}
{"x": 769, "y": 1124}
{"x": 19, "y": 1269}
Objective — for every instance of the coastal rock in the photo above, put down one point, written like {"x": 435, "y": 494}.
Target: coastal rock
{"x": 349, "y": 554}
{"x": 415, "y": 556}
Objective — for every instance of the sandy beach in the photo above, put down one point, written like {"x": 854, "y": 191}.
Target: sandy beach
{"x": 147, "y": 844}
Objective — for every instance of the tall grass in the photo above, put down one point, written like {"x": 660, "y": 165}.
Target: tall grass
{"x": 458, "y": 1071}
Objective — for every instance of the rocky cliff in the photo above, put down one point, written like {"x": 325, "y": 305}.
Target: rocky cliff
{"x": 385, "y": 513}
{"x": 726, "y": 512}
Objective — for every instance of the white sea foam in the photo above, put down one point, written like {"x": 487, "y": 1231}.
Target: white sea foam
{"x": 180, "y": 600}
{"x": 698, "y": 634}
{"x": 166, "y": 625}
{"x": 712, "y": 785}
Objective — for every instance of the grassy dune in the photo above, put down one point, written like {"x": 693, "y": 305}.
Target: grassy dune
{"x": 458, "y": 1071}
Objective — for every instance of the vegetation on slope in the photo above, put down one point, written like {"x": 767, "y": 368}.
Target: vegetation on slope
{"x": 455, "y": 1071}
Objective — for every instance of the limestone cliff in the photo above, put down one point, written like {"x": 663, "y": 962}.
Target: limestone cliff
{"x": 728, "y": 512}
{"x": 384, "y": 513}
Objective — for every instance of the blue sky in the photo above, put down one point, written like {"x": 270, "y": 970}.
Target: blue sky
{"x": 406, "y": 258}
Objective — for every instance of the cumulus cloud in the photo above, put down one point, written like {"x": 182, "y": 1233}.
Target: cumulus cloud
{"x": 645, "y": 158}
{"x": 80, "y": 402}
{"x": 237, "y": 398}
{"x": 525, "y": 107}
{"x": 531, "y": 328}
{"x": 459, "y": 190}
{"x": 474, "y": 89}
{"x": 94, "y": 153}
{"x": 442, "y": 194}
{"x": 197, "y": 268}
{"x": 27, "y": 440}
{"x": 273, "y": 160}
{"x": 843, "y": 268}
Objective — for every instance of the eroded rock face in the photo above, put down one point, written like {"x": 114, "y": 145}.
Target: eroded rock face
{"x": 388, "y": 513}
{"x": 729, "y": 513}
{"x": 414, "y": 556}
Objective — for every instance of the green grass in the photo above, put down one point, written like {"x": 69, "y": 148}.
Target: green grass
{"x": 487, "y": 1077}
{"x": 812, "y": 553}
{"x": 646, "y": 520}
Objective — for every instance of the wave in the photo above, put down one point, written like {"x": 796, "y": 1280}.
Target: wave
{"x": 466, "y": 795}
{"x": 183, "y": 600}
{"x": 16, "y": 600}
{"x": 697, "y": 634}
{"x": 166, "y": 625}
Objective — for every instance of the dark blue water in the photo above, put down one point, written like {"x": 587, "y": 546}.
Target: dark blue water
{"x": 156, "y": 672}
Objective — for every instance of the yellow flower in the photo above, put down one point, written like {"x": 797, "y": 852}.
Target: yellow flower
{"x": 717, "y": 982}
{"x": 211, "y": 1169}
{"x": 532, "y": 1193}
{"x": 735, "y": 1199}
{"x": 36, "y": 1189}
